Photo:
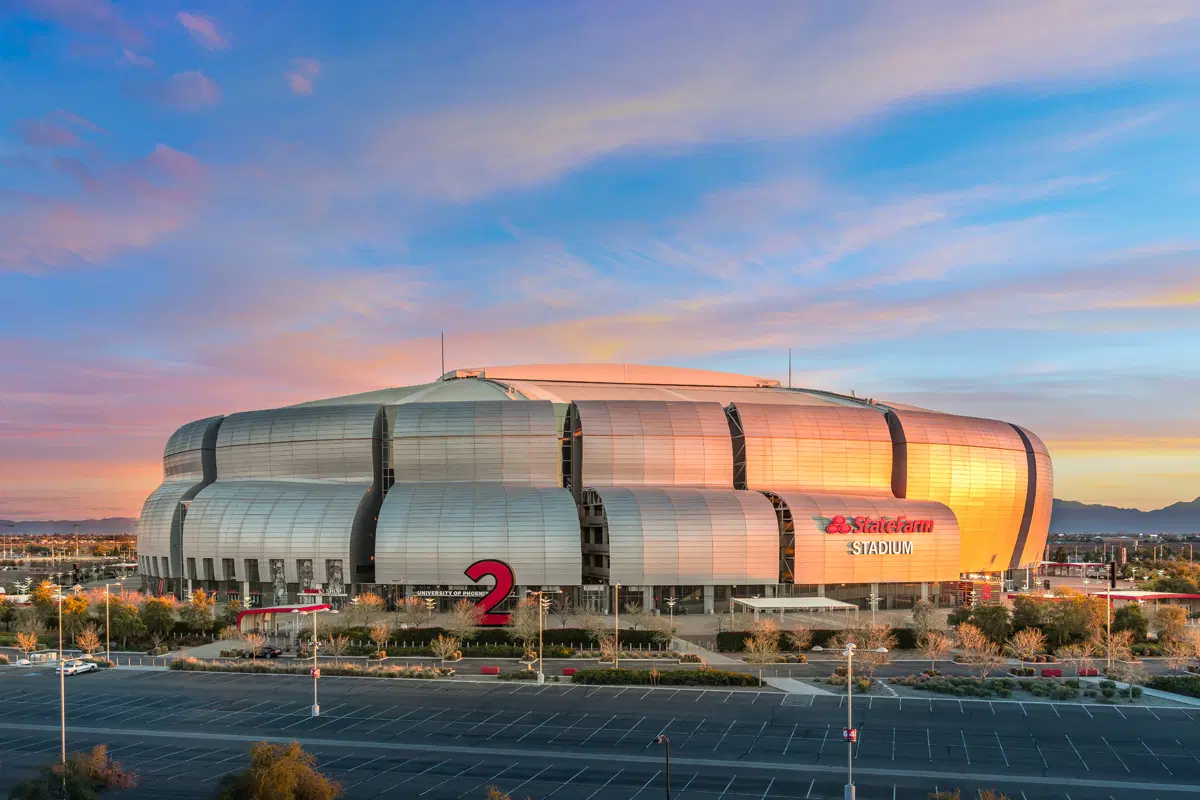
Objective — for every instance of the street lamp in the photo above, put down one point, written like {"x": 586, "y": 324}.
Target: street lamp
{"x": 849, "y": 734}
{"x": 873, "y": 599}
{"x": 666, "y": 742}
{"x": 62, "y": 686}
{"x": 543, "y": 605}
{"x": 316, "y": 673}
{"x": 617, "y": 626}
{"x": 671, "y": 601}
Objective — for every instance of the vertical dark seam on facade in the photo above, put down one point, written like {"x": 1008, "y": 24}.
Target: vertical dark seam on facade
{"x": 899, "y": 455}
{"x": 1030, "y": 498}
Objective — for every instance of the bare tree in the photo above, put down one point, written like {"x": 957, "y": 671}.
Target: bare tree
{"x": 1026, "y": 644}
{"x": 444, "y": 647}
{"x": 800, "y": 638}
{"x": 379, "y": 633}
{"x": 337, "y": 645}
{"x": 465, "y": 619}
{"x": 593, "y": 622}
{"x": 608, "y": 647}
{"x": 762, "y": 647}
{"x": 1077, "y": 657}
{"x": 27, "y": 642}
{"x": 88, "y": 639}
{"x": 525, "y": 621}
{"x": 1119, "y": 646}
{"x": 978, "y": 651}
{"x": 1179, "y": 651}
{"x": 413, "y": 612}
{"x": 635, "y": 615}
{"x": 563, "y": 609}
{"x": 924, "y": 616}
{"x": 255, "y": 641}
{"x": 1168, "y": 622}
{"x": 935, "y": 645}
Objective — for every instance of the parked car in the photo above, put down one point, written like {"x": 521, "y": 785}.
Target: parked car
{"x": 262, "y": 652}
{"x": 74, "y": 667}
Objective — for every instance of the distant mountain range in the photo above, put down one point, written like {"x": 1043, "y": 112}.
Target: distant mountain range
{"x": 1072, "y": 517}
{"x": 1069, "y": 517}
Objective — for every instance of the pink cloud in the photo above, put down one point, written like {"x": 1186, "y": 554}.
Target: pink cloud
{"x": 133, "y": 59}
{"x": 57, "y": 129}
{"x": 90, "y": 17}
{"x": 184, "y": 91}
{"x": 204, "y": 31}
{"x": 304, "y": 71}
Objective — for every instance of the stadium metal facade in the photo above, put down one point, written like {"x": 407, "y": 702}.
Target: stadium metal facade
{"x": 670, "y": 482}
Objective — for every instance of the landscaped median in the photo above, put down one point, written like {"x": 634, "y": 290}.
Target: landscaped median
{"x": 666, "y": 677}
{"x": 305, "y": 668}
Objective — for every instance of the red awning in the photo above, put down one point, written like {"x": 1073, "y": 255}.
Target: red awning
{"x": 282, "y": 610}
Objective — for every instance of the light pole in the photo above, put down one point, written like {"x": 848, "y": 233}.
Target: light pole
{"x": 850, "y": 735}
{"x": 316, "y": 673}
{"x": 873, "y": 598}
{"x": 617, "y": 626}
{"x": 666, "y": 742}
{"x": 671, "y": 601}
{"x": 62, "y": 688}
{"x": 543, "y": 605}
{"x": 107, "y": 628}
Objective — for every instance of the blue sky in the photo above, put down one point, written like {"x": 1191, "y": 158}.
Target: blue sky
{"x": 985, "y": 208}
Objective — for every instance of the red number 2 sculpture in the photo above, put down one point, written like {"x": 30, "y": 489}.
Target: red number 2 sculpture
{"x": 505, "y": 580}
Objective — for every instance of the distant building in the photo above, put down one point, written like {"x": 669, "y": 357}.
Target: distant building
{"x": 671, "y": 482}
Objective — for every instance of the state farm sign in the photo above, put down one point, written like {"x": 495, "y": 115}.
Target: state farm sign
{"x": 865, "y": 524}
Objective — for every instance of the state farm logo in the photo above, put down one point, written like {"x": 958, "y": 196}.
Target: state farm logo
{"x": 865, "y": 524}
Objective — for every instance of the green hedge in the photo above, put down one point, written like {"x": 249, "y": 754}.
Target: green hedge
{"x": 327, "y": 670}
{"x": 563, "y": 637}
{"x": 669, "y": 677}
{"x": 470, "y": 651}
{"x": 1188, "y": 685}
{"x": 735, "y": 641}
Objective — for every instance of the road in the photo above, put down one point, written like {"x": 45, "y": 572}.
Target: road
{"x": 389, "y": 738}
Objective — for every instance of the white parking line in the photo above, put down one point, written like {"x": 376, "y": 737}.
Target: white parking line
{"x": 631, "y": 730}
{"x": 1001, "y": 746}
{"x": 452, "y": 777}
{"x": 564, "y": 730}
{"x": 731, "y": 780}
{"x": 966, "y": 752}
{"x": 481, "y": 783}
{"x": 723, "y": 735}
{"x": 644, "y": 785}
{"x": 1077, "y": 754}
{"x": 564, "y": 785}
{"x": 484, "y": 722}
{"x": 1114, "y": 752}
{"x": 793, "y": 733}
{"x": 1156, "y": 758}
{"x": 398, "y": 719}
{"x": 606, "y": 783}
{"x": 506, "y": 727}
{"x": 602, "y": 727}
{"x": 415, "y": 775}
{"x": 531, "y": 730}
{"x": 392, "y": 768}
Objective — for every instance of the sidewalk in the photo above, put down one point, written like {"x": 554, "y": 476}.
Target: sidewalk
{"x": 712, "y": 658}
{"x": 793, "y": 686}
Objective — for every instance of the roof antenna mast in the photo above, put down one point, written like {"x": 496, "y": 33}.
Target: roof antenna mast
{"x": 443, "y": 338}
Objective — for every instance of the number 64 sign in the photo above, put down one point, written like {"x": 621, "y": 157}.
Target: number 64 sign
{"x": 505, "y": 580}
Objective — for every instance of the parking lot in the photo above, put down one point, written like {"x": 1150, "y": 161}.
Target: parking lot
{"x": 453, "y": 739}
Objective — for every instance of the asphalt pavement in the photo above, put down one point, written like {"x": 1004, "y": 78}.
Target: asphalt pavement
{"x": 452, "y": 739}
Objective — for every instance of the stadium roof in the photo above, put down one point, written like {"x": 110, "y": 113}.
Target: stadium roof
{"x": 564, "y": 383}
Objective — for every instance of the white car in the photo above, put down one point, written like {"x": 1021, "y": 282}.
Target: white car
{"x": 76, "y": 667}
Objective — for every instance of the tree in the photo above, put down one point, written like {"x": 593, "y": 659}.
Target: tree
{"x": 924, "y": 616}
{"x": 661, "y": 629}
{"x": 279, "y": 772}
{"x": 800, "y": 638}
{"x": 74, "y": 614}
{"x": 868, "y": 640}
{"x": 1169, "y": 622}
{"x": 363, "y": 606}
{"x": 593, "y": 622}
{"x": 525, "y": 621}
{"x": 1025, "y": 644}
{"x": 255, "y": 641}
{"x": 562, "y": 608}
{"x": 762, "y": 647}
{"x": 993, "y": 620}
{"x": 1131, "y": 673}
{"x": 27, "y": 642}
{"x": 465, "y": 619}
{"x": 42, "y": 597}
{"x": 158, "y": 615}
{"x": 88, "y": 639}
{"x": 412, "y": 611}
{"x": 608, "y": 647}
{"x": 1119, "y": 646}
{"x": 1060, "y": 555}
{"x": 1029, "y": 612}
{"x": 84, "y": 776}
{"x": 935, "y": 646}
{"x": 1130, "y": 617}
{"x": 336, "y": 645}
{"x": 1074, "y": 617}
{"x": 978, "y": 650}
{"x": 8, "y": 612}
{"x": 1078, "y": 656}
{"x": 197, "y": 613}
{"x": 635, "y": 615}
{"x": 1178, "y": 652}
{"x": 124, "y": 619}
{"x": 379, "y": 633}
{"x": 444, "y": 647}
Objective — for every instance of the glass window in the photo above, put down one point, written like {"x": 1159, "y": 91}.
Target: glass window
{"x": 191, "y": 568}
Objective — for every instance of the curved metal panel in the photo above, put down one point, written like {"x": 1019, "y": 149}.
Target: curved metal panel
{"x": 824, "y": 557}
{"x": 328, "y": 443}
{"x": 429, "y": 533}
{"x": 158, "y": 528}
{"x": 1043, "y": 503}
{"x": 492, "y": 441}
{"x": 682, "y": 536}
{"x": 812, "y": 448}
{"x": 653, "y": 443}
{"x": 267, "y": 520}
{"x": 978, "y": 468}
{"x": 189, "y": 451}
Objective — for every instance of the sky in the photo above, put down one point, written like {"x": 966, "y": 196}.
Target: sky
{"x": 987, "y": 208}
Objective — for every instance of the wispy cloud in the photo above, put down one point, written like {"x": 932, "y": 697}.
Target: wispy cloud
{"x": 92, "y": 17}
{"x": 302, "y": 75}
{"x": 133, "y": 59}
{"x": 183, "y": 91}
{"x": 59, "y": 129}
{"x": 204, "y": 30}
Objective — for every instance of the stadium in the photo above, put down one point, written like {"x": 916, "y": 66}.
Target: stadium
{"x": 602, "y": 480}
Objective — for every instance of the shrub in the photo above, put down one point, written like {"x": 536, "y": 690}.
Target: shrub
{"x": 670, "y": 677}
{"x": 735, "y": 641}
{"x": 520, "y": 675}
{"x": 282, "y": 770}
{"x": 3, "y": 659}
{"x": 337, "y": 670}
{"x": 86, "y": 775}
{"x": 1188, "y": 685}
